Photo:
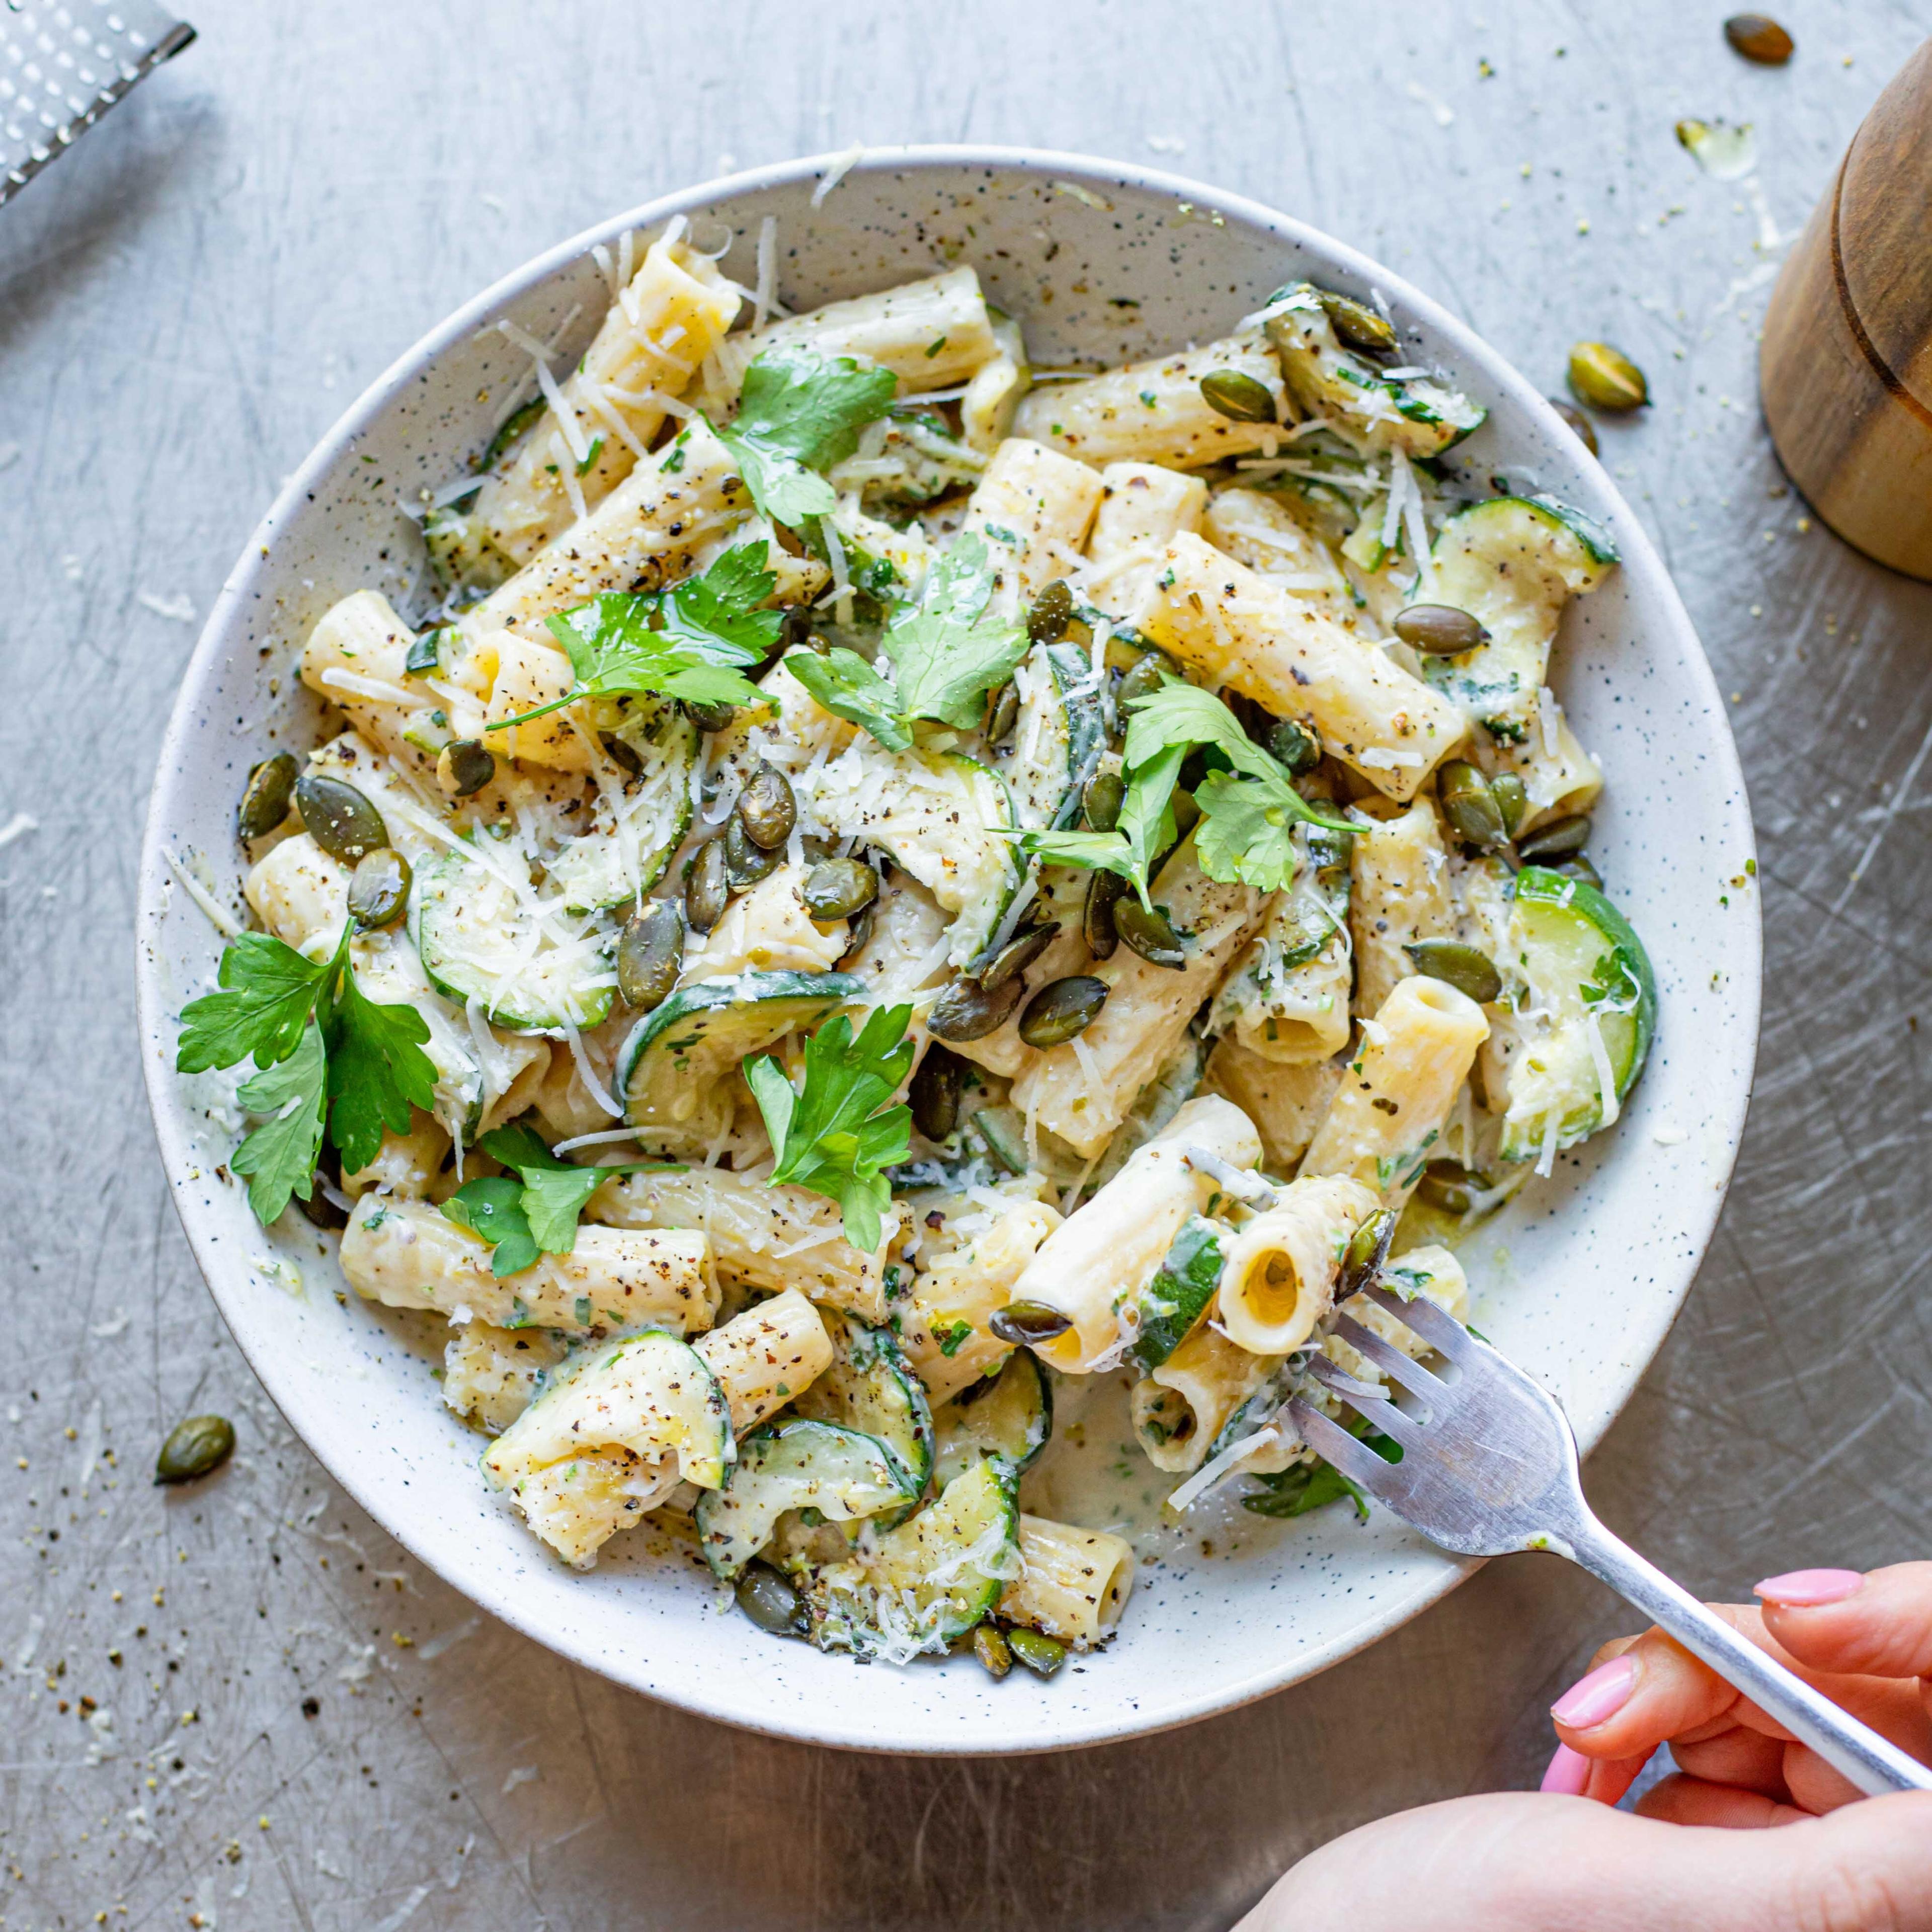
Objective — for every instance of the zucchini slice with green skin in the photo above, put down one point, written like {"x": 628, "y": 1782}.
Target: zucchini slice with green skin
{"x": 1175, "y": 1300}
{"x": 871, "y": 1387}
{"x": 928, "y": 1581}
{"x": 625, "y": 853}
{"x": 1512, "y": 563}
{"x": 1009, "y": 1415}
{"x": 841, "y": 1473}
{"x": 1057, "y": 739}
{"x": 670, "y": 1069}
{"x": 461, "y": 556}
{"x": 1585, "y": 1014}
{"x": 946, "y": 818}
{"x": 650, "y": 1393}
{"x": 479, "y": 938}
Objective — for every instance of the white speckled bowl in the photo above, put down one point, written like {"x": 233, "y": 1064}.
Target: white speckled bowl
{"x": 1580, "y": 1282}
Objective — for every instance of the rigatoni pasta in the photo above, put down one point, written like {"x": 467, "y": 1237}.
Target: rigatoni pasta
{"x": 882, "y": 941}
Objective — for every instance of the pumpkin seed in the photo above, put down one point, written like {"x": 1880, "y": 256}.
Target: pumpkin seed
{"x": 1457, "y": 965}
{"x": 967, "y": 1010}
{"x": 1052, "y": 611}
{"x": 707, "y": 890}
{"x": 1470, "y": 805}
{"x": 338, "y": 818}
{"x": 1511, "y": 800}
{"x": 1439, "y": 630}
{"x": 1146, "y": 677}
{"x": 745, "y": 861}
{"x": 1042, "y": 1655}
{"x": 1760, "y": 38}
{"x": 1015, "y": 957}
{"x": 934, "y": 1095}
{"x": 1585, "y": 429}
{"x": 1367, "y": 1249}
{"x": 858, "y": 933}
{"x": 1358, "y": 325}
{"x": 1096, "y": 919}
{"x": 768, "y": 808}
{"x": 266, "y": 796}
{"x": 649, "y": 954}
{"x": 837, "y": 889}
{"x": 1291, "y": 743}
{"x": 1560, "y": 839}
{"x": 463, "y": 765}
{"x": 1606, "y": 378}
{"x": 193, "y": 1447}
{"x": 1023, "y": 1323}
{"x": 1101, "y": 799}
{"x": 1234, "y": 394}
{"x": 770, "y": 1601}
{"x": 378, "y": 888}
{"x": 990, "y": 1648}
{"x": 1578, "y": 867}
{"x": 1444, "y": 1186}
{"x": 1064, "y": 1008}
{"x": 318, "y": 1210}
{"x": 709, "y": 717}
{"x": 1150, "y": 934}
{"x": 1003, "y": 713}
{"x": 621, "y": 754}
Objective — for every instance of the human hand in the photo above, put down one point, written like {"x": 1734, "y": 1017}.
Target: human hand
{"x": 1865, "y": 1641}
{"x": 1518, "y": 1863}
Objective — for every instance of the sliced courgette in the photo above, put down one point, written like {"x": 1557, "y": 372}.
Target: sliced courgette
{"x": 484, "y": 934}
{"x": 1586, "y": 1011}
{"x": 872, "y": 1387}
{"x": 1169, "y": 1304}
{"x": 625, "y": 851}
{"x": 461, "y": 556}
{"x": 1512, "y": 563}
{"x": 946, "y": 818}
{"x": 671, "y": 1069}
{"x": 1313, "y": 910}
{"x": 1009, "y": 1415}
{"x": 928, "y": 1582}
{"x": 1058, "y": 739}
{"x": 840, "y": 1473}
{"x": 650, "y": 1394}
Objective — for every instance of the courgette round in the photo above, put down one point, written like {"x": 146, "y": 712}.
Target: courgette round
{"x": 1009, "y": 1415}
{"x": 870, "y": 1386}
{"x": 671, "y": 1068}
{"x": 1584, "y": 970}
{"x": 841, "y": 1473}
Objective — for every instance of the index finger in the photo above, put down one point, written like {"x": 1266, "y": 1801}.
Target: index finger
{"x": 1878, "y": 1624}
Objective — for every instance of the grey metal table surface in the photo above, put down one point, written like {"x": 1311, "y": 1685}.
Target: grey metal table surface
{"x": 240, "y": 1705}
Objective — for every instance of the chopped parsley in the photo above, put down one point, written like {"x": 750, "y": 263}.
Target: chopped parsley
{"x": 328, "y": 1056}
{"x": 835, "y": 1135}
{"x": 798, "y": 413}
{"x": 947, "y": 651}
{"x": 691, "y": 641}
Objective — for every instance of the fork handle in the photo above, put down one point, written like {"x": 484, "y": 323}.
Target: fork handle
{"x": 1874, "y": 1764}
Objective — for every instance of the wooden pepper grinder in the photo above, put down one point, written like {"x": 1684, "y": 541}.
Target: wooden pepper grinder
{"x": 1846, "y": 367}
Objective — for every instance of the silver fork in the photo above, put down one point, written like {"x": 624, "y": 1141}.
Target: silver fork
{"x": 1492, "y": 1468}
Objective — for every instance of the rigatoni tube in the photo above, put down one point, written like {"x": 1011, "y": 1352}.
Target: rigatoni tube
{"x": 1244, "y": 632}
{"x": 1398, "y": 1090}
{"x": 1073, "y": 1583}
{"x": 1279, "y": 1277}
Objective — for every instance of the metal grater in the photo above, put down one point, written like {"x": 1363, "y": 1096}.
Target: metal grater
{"x": 63, "y": 64}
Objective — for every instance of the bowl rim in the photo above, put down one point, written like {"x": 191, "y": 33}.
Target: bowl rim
{"x": 1640, "y": 562}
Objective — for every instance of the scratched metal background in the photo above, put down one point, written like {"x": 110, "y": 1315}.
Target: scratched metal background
{"x": 241, "y": 1705}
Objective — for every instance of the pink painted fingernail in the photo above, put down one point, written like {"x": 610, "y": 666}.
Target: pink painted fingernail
{"x": 1569, "y": 1773}
{"x": 1804, "y": 1589}
{"x": 1601, "y": 1695}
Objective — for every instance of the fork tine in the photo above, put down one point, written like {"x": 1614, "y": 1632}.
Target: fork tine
{"x": 1436, "y": 1326}
{"x": 1344, "y": 1385}
{"x": 1334, "y": 1444}
{"x": 1412, "y": 1375}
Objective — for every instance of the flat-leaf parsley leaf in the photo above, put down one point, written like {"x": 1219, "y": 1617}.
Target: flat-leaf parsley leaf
{"x": 798, "y": 413}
